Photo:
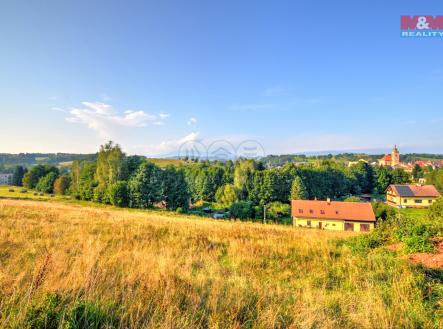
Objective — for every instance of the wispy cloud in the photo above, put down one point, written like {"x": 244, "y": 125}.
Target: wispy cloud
{"x": 104, "y": 119}
{"x": 105, "y": 97}
{"x": 192, "y": 121}
{"x": 58, "y": 109}
{"x": 165, "y": 147}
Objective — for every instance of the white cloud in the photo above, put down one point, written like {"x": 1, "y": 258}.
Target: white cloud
{"x": 104, "y": 119}
{"x": 163, "y": 115}
{"x": 58, "y": 109}
{"x": 165, "y": 147}
{"x": 192, "y": 121}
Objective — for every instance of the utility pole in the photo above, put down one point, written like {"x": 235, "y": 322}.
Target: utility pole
{"x": 264, "y": 214}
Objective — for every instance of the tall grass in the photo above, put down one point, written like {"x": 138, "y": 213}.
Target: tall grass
{"x": 67, "y": 266}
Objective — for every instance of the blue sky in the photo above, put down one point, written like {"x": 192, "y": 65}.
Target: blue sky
{"x": 297, "y": 76}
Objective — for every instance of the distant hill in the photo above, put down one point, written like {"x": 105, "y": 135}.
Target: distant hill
{"x": 8, "y": 160}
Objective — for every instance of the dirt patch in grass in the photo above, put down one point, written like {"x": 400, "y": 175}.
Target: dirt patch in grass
{"x": 431, "y": 260}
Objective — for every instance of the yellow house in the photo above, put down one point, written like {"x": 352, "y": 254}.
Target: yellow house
{"x": 333, "y": 215}
{"x": 411, "y": 196}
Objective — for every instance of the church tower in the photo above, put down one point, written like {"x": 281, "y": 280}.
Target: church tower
{"x": 395, "y": 157}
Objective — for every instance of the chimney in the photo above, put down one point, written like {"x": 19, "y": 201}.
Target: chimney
{"x": 328, "y": 200}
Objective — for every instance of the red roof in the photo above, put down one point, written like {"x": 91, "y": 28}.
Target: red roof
{"x": 387, "y": 157}
{"x": 415, "y": 190}
{"x": 360, "y": 211}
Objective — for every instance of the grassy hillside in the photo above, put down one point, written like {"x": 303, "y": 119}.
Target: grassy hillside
{"x": 165, "y": 162}
{"x": 71, "y": 266}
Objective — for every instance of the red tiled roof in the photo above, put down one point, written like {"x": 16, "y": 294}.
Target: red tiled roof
{"x": 415, "y": 190}
{"x": 333, "y": 210}
{"x": 387, "y": 157}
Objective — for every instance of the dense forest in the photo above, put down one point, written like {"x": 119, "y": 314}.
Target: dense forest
{"x": 241, "y": 188}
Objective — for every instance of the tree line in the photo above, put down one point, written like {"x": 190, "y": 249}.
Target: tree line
{"x": 243, "y": 187}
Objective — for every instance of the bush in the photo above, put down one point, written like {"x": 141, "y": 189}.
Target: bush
{"x": 416, "y": 235}
{"x": 278, "y": 210}
{"x": 61, "y": 185}
{"x": 179, "y": 210}
{"x": 119, "y": 194}
{"x": 383, "y": 211}
{"x": 46, "y": 183}
{"x": 362, "y": 244}
{"x": 436, "y": 210}
{"x": 242, "y": 210}
{"x": 100, "y": 195}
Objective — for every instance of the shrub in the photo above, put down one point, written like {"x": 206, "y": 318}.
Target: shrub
{"x": 362, "y": 244}
{"x": 416, "y": 234}
{"x": 61, "y": 185}
{"x": 118, "y": 194}
{"x": 278, "y": 210}
{"x": 383, "y": 211}
{"x": 179, "y": 210}
{"x": 242, "y": 210}
{"x": 46, "y": 183}
{"x": 436, "y": 210}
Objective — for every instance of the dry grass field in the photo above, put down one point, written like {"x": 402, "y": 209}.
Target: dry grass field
{"x": 71, "y": 266}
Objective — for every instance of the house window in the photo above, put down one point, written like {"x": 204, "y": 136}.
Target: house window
{"x": 336, "y": 212}
{"x": 430, "y": 201}
{"x": 349, "y": 226}
{"x": 322, "y": 212}
{"x": 311, "y": 211}
{"x": 300, "y": 211}
{"x": 405, "y": 200}
{"x": 418, "y": 201}
{"x": 308, "y": 223}
{"x": 364, "y": 227}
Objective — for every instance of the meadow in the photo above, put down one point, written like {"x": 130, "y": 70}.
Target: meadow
{"x": 67, "y": 265}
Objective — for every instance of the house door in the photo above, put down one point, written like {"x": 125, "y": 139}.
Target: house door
{"x": 320, "y": 225}
{"x": 349, "y": 226}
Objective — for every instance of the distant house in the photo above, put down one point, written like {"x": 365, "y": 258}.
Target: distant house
{"x": 333, "y": 215}
{"x": 5, "y": 179}
{"x": 411, "y": 196}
